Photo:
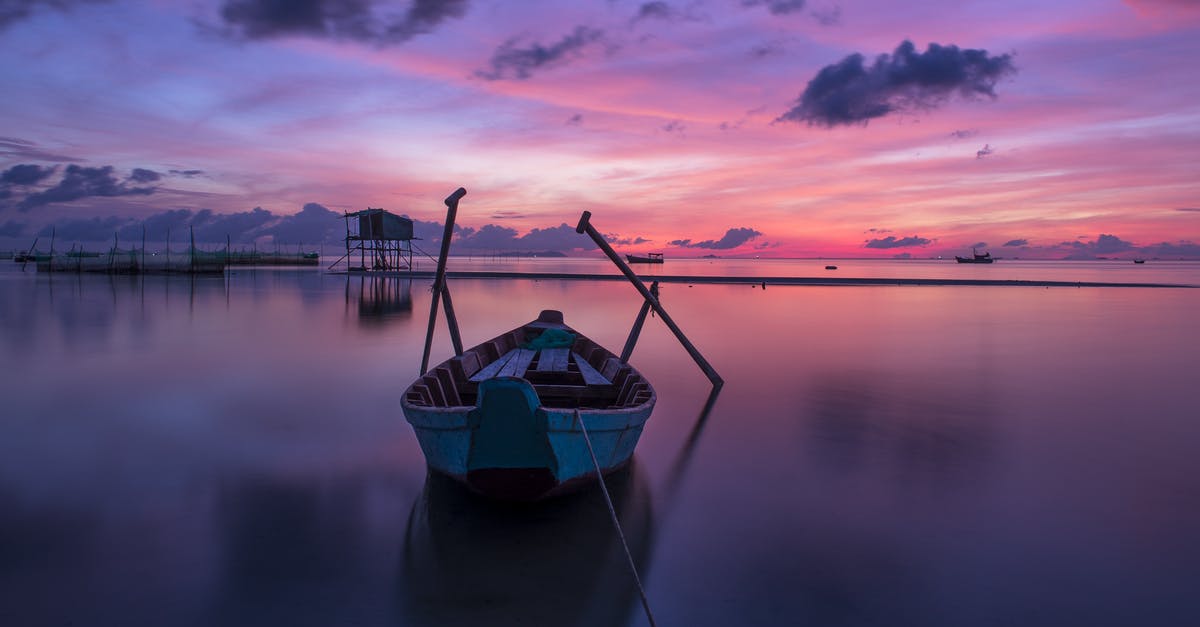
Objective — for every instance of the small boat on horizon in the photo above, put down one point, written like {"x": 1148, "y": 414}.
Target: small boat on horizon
{"x": 975, "y": 258}
{"x": 647, "y": 258}
{"x": 504, "y": 418}
{"x": 1139, "y": 261}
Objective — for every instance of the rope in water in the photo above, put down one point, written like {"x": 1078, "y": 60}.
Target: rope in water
{"x": 612, "y": 512}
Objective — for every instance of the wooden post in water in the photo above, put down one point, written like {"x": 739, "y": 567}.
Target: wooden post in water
{"x": 637, "y": 325}
{"x": 439, "y": 282}
{"x": 585, "y": 226}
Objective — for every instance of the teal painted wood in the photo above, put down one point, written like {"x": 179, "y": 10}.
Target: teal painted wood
{"x": 504, "y": 424}
{"x": 614, "y": 437}
{"x": 508, "y": 427}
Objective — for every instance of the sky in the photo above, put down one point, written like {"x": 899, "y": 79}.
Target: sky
{"x": 772, "y": 128}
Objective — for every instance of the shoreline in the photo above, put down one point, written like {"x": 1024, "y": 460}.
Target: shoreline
{"x": 776, "y": 281}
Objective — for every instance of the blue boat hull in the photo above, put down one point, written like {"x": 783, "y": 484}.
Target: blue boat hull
{"x": 507, "y": 417}
{"x": 485, "y": 448}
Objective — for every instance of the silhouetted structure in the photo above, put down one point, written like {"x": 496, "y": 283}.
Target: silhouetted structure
{"x": 382, "y": 240}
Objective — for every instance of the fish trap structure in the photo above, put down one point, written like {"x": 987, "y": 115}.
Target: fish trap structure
{"x": 381, "y": 239}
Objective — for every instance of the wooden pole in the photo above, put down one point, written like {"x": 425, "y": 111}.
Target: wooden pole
{"x": 637, "y": 325}
{"x": 585, "y": 226}
{"x": 440, "y": 279}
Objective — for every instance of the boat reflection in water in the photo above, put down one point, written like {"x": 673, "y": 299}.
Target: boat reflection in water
{"x": 472, "y": 561}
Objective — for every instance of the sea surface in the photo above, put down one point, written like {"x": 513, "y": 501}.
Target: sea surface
{"x": 231, "y": 451}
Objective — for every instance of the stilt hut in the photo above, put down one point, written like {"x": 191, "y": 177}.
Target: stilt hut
{"x": 382, "y": 240}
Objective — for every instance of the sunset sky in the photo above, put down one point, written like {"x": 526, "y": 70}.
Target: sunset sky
{"x": 733, "y": 127}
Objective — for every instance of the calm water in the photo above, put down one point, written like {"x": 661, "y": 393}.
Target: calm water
{"x": 231, "y": 452}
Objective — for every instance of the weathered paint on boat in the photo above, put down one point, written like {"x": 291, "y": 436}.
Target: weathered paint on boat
{"x": 511, "y": 444}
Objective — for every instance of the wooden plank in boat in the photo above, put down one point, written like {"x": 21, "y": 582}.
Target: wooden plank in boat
{"x": 553, "y": 359}
{"x": 493, "y": 369}
{"x": 519, "y": 363}
{"x": 591, "y": 376}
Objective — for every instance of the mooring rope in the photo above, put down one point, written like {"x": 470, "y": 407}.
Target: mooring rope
{"x": 612, "y": 512}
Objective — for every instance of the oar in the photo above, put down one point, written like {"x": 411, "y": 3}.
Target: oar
{"x": 440, "y": 278}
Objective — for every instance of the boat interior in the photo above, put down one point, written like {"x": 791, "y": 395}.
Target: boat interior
{"x": 583, "y": 374}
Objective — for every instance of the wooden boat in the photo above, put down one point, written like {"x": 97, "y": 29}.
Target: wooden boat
{"x": 975, "y": 258}
{"x": 1139, "y": 261}
{"x": 647, "y": 258}
{"x": 504, "y": 417}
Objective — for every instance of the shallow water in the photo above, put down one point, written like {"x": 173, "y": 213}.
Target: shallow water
{"x": 231, "y": 451}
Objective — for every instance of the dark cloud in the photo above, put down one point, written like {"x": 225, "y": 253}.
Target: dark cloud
{"x": 979, "y": 245}
{"x": 849, "y": 92}
{"x": 1105, "y": 244}
{"x": 507, "y": 215}
{"x": 186, "y": 173}
{"x": 1187, "y": 209}
{"x": 488, "y": 237}
{"x": 24, "y": 149}
{"x": 25, "y": 174}
{"x": 575, "y": 120}
{"x": 240, "y": 227}
{"x": 512, "y": 62}
{"x": 12, "y": 11}
{"x": 365, "y": 21}
{"x": 560, "y": 238}
{"x": 157, "y": 226}
{"x": 892, "y": 241}
{"x": 80, "y": 182}
{"x": 1110, "y": 244}
{"x": 674, "y": 126}
{"x": 1181, "y": 249}
{"x": 1017, "y": 242}
{"x": 142, "y": 175}
{"x": 314, "y": 223}
{"x": 777, "y": 7}
{"x": 875, "y": 230}
{"x": 655, "y": 11}
{"x": 964, "y": 133}
{"x": 732, "y": 239}
{"x": 985, "y": 151}
{"x": 617, "y": 240}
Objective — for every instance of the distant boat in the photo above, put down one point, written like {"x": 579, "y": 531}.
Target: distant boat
{"x": 975, "y": 258}
{"x": 831, "y": 267}
{"x": 504, "y": 417}
{"x": 648, "y": 258}
{"x": 1139, "y": 261}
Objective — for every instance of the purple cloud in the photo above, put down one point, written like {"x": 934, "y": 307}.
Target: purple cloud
{"x": 512, "y": 62}
{"x": 343, "y": 20}
{"x": 732, "y": 239}
{"x": 892, "y": 241}
{"x": 80, "y": 182}
{"x": 849, "y": 92}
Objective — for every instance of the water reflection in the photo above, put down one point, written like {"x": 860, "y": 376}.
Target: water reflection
{"x": 910, "y": 431}
{"x": 304, "y": 539}
{"x": 469, "y": 561}
{"x": 380, "y": 300}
